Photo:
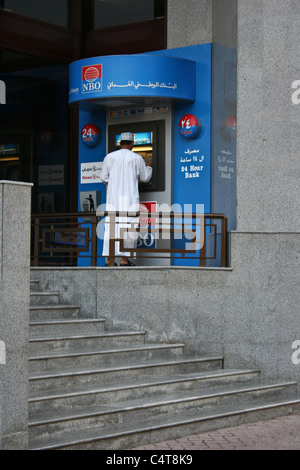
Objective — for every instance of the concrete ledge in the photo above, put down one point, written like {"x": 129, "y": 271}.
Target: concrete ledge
{"x": 143, "y": 268}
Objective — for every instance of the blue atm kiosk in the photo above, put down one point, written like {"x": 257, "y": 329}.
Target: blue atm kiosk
{"x": 165, "y": 95}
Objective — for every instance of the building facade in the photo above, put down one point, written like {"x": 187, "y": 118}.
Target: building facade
{"x": 248, "y": 312}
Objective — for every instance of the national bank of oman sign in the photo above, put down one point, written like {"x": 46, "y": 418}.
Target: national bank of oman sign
{"x": 132, "y": 76}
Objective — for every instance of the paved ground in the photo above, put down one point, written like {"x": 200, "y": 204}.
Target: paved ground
{"x": 276, "y": 434}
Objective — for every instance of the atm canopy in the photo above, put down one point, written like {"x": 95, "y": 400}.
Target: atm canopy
{"x": 126, "y": 79}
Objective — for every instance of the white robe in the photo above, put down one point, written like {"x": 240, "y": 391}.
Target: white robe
{"x": 122, "y": 171}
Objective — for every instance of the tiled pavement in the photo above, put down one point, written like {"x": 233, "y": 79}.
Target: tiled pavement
{"x": 276, "y": 434}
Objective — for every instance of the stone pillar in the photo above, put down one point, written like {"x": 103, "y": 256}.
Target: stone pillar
{"x": 15, "y": 212}
{"x": 189, "y": 23}
{"x": 268, "y": 121}
{"x": 266, "y": 242}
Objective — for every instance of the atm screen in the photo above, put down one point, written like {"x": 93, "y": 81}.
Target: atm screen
{"x": 149, "y": 142}
{"x": 143, "y": 145}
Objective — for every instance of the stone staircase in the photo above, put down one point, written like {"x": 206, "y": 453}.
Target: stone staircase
{"x": 96, "y": 389}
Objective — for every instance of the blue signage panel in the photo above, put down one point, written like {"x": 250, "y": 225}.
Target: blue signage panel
{"x": 192, "y": 141}
{"x": 132, "y": 76}
{"x": 90, "y": 158}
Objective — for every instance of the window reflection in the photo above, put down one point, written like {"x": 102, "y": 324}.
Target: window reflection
{"x": 34, "y": 129}
{"x": 51, "y": 11}
{"x": 108, "y": 13}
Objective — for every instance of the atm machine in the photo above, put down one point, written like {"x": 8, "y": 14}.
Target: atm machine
{"x": 149, "y": 142}
{"x": 152, "y": 140}
{"x": 164, "y": 99}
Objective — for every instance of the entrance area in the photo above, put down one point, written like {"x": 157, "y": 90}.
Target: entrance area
{"x": 35, "y": 143}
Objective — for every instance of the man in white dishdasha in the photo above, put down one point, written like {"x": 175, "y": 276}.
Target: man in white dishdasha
{"x": 121, "y": 171}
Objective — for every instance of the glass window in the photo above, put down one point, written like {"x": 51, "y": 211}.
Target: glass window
{"x": 34, "y": 139}
{"x": 51, "y": 11}
{"x": 108, "y": 13}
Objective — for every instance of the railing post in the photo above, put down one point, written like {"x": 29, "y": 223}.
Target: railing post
{"x": 112, "y": 236}
{"x": 93, "y": 241}
{"x": 224, "y": 242}
{"x": 203, "y": 248}
{"x": 36, "y": 241}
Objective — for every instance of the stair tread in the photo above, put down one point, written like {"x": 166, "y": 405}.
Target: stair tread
{"x": 94, "y": 351}
{"x": 38, "y": 292}
{"x": 72, "y": 335}
{"x": 91, "y": 434}
{"x": 131, "y": 365}
{"x": 52, "y": 306}
{"x": 54, "y": 321}
{"x": 143, "y": 382}
{"x": 170, "y": 398}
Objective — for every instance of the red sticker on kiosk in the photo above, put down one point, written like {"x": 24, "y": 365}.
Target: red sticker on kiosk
{"x": 146, "y": 209}
{"x": 90, "y": 135}
{"x": 189, "y": 126}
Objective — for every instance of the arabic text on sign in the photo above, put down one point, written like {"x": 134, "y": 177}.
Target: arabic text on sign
{"x": 137, "y": 85}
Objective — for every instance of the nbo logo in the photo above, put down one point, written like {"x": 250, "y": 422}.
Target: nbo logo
{"x": 90, "y": 87}
{"x": 91, "y": 78}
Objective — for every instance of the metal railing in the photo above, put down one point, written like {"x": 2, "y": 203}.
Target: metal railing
{"x": 63, "y": 239}
{"x": 60, "y": 239}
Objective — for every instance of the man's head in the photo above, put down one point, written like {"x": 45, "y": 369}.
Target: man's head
{"x": 127, "y": 140}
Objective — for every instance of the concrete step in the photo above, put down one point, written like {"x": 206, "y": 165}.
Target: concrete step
{"x": 126, "y": 437}
{"x": 91, "y": 389}
{"x": 104, "y": 357}
{"x": 79, "y": 341}
{"x": 47, "y": 327}
{"x": 100, "y": 394}
{"x": 44, "y": 298}
{"x": 34, "y": 285}
{"x": 39, "y": 312}
{"x": 163, "y": 412}
{"x": 84, "y": 376}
